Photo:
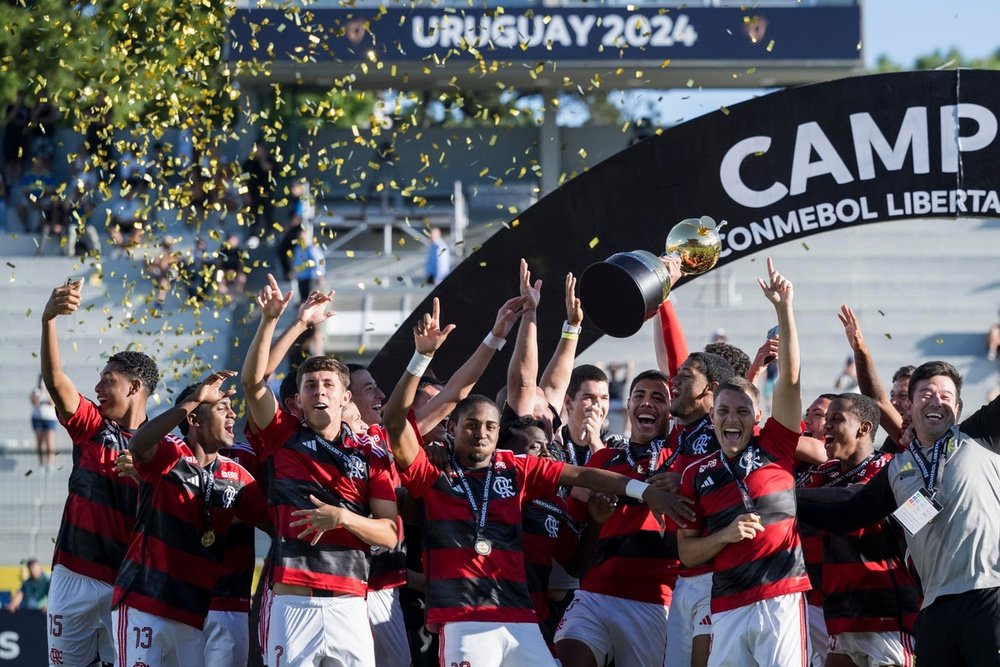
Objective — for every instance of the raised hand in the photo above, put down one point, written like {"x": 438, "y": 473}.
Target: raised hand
{"x": 590, "y": 434}
{"x": 270, "y": 299}
{"x": 675, "y": 506}
{"x": 533, "y": 292}
{"x": 574, "y": 311}
{"x": 64, "y": 300}
{"x": 509, "y": 313}
{"x": 313, "y": 310}
{"x": 672, "y": 263}
{"x": 777, "y": 289}
{"x": 428, "y": 336}
{"x": 211, "y": 391}
{"x": 601, "y": 507}
{"x": 852, "y": 328}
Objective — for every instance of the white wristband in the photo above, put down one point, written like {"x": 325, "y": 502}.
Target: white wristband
{"x": 635, "y": 489}
{"x": 570, "y": 329}
{"x": 418, "y": 364}
{"x": 494, "y": 342}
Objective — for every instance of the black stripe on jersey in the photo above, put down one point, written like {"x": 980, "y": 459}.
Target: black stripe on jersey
{"x": 461, "y": 534}
{"x": 473, "y": 593}
{"x": 234, "y": 584}
{"x": 385, "y": 562}
{"x": 136, "y": 578}
{"x": 538, "y": 576}
{"x": 323, "y": 559}
{"x": 295, "y": 493}
{"x": 767, "y": 570}
{"x": 772, "y": 508}
{"x": 104, "y": 490}
{"x": 871, "y": 546}
{"x": 97, "y": 548}
{"x": 640, "y": 544}
{"x": 871, "y": 603}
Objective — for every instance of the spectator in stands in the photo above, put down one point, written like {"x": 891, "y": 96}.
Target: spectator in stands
{"x": 847, "y": 381}
{"x": 993, "y": 342}
{"x": 43, "y": 423}
{"x": 34, "y": 591}
{"x": 257, "y": 170}
{"x": 16, "y": 148}
{"x": 128, "y": 216}
{"x": 438, "y": 263}
{"x": 164, "y": 269}
{"x": 232, "y": 265}
{"x": 37, "y": 197}
{"x": 308, "y": 263}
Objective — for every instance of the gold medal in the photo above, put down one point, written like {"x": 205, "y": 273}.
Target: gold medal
{"x": 208, "y": 538}
{"x": 483, "y": 547}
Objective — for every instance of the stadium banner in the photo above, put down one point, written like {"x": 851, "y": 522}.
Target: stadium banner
{"x": 777, "y": 169}
{"x": 623, "y": 34}
{"x": 23, "y": 642}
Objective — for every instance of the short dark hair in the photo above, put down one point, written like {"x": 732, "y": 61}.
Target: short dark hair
{"x": 828, "y": 396}
{"x": 469, "y": 402}
{"x": 584, "y": 373}
{"x": 288, "y": 388}
{"x": 903, "y": 372}
{"x": 741, "y": 385}
{"x": 322, "y": 363}
{"x": 138, "y": 365}
{"x": 932, "y": 368}
{"x": 354, "y": 368}
{"x": 181, "y": 397}
{"x": 651, "y": 374}
{"x": 715, "y": 367}
{"x": 865, "y": 408}
{"x": 736, "y": 357}
{"x": 516, "y": 426}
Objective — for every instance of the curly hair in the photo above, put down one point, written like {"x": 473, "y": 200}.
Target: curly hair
{"x": 138, "y": 365}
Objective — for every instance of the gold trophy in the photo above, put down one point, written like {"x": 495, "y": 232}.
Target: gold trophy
{"x": 626, "y": 289}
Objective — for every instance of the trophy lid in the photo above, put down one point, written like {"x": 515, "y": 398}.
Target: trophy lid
{"x": 622, "y": 292}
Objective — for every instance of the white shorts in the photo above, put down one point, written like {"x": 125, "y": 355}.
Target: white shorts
{"x": 633, "y": 634}
{"x": 142, "y": 638}
{"x": 392, "y": 647}
{"x": 264, "y": 621}
{"x": 819, "y": 640}
{"x": 227, "y": 638}
{"x": 79, "y": 619}
{"x": 690, "y": 616}
{"x": 870, "y": 649}
{"x": 772, "y": 632}
{"x": 481, "y": 644}
{"x": 304, "y": 630}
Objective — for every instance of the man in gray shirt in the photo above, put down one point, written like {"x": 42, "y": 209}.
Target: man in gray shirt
{"x": 951, "y": 474}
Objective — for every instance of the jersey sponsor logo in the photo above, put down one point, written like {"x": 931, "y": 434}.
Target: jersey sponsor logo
{"x": 191, "y": 459}
{"x": 707, "y": 483}
{"x": 309, "y": 444}
{"x": 705, "y": 621}
{"x": 193, "y": 480}
{"x": 230, "y": 474}
{"x": 503, "y": 487}
{"x": 700, "y": 444}
{"x": 552, "y": 526}
{"x": 228, "y": 497}
{"x": 907, "y": 471}
{"x": 500, "y": 465}
{"x": 708, "y": 466}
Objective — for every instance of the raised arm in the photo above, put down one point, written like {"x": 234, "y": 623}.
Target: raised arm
{"x": 312, "y": 313}
{"x": 64, "y": 300}
{"x": 669, "y": 343}
{"x": 868, "y": 380}
{"x": 465, "y": 378}
{"x": 428, "y": 337}
{"x": 787, "y": 404}
{"x": 144, "y": 441}
{"x": 260, "y": 401}
{"x": 555, "y": 379}
{"x": 522, "y": 373}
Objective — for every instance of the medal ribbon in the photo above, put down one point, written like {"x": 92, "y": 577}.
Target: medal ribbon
{"x": 480, "y": 512}
{"x": 850, "y": 473}
{"x": 748, "y": 503}
{"x": 206, "y": 485}
{"x": 930, "y": 471}
{"x": 654, "y": 455}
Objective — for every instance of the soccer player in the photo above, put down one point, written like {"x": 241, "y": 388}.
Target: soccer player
{"x": 475, "y": 570}
{"x": 332, "y": 498}
{"x": 189, "y": 498}
{"x": 101, "y": 505}
{"x": 746, "y": 522}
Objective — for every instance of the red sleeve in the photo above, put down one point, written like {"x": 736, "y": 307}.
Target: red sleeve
{"x": 673, "y": 338}
{"x": 687, "y": 491}
{"x": 380, "y": 479}
{"x": 252, "y": 507}
{"x": 83, "y": 422}
{"x": 777, "y": 439}
{"x": 164, "y": 458}
{"x": 541, "y": 476}
{"x": 273, "y": 437}
{"x": 420, "y": 475}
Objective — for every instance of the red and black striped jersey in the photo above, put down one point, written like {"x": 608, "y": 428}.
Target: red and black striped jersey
{"x": 692, "y": 442}
{"x": 635, "y": 560}
{"x": 100, "y": 509}
{"x": 232, "y": 589}
{"x": 463, "y": 585}
{"x": 771, "y": 564}
{"x": 866, "y": 588}
{"x": 388, "y": 568}
{"x": 346, "y": 473}
{"x": 549, "y": 534}
{"x": 168, "y": 570}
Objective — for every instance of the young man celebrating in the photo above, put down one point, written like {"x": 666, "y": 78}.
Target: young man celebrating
{"x": 189, "y": 498}
{"x": 101, "y": 505}
{"x": 869, "y": 599}
{"x": 746, "y": 523}
{"x": 332, "y": 498}
{"x": 473, "y": 548}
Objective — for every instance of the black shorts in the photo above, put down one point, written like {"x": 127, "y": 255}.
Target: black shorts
{"x": 961, "y": 629}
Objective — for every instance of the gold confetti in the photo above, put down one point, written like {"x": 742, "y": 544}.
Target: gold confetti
{"x": 593, "y": 242}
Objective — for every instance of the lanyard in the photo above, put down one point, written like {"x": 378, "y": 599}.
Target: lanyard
{"x": 571, "y": 449}
{"x": 748, "y": 503}
{"x": 654, "y": 455}
{"x": 850, "y": 473}
{"x": 930, "y": 471}
{"x": 482, "y": 510}
{"x": 206, "y": 485}
{"x": 552, "y": 509}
